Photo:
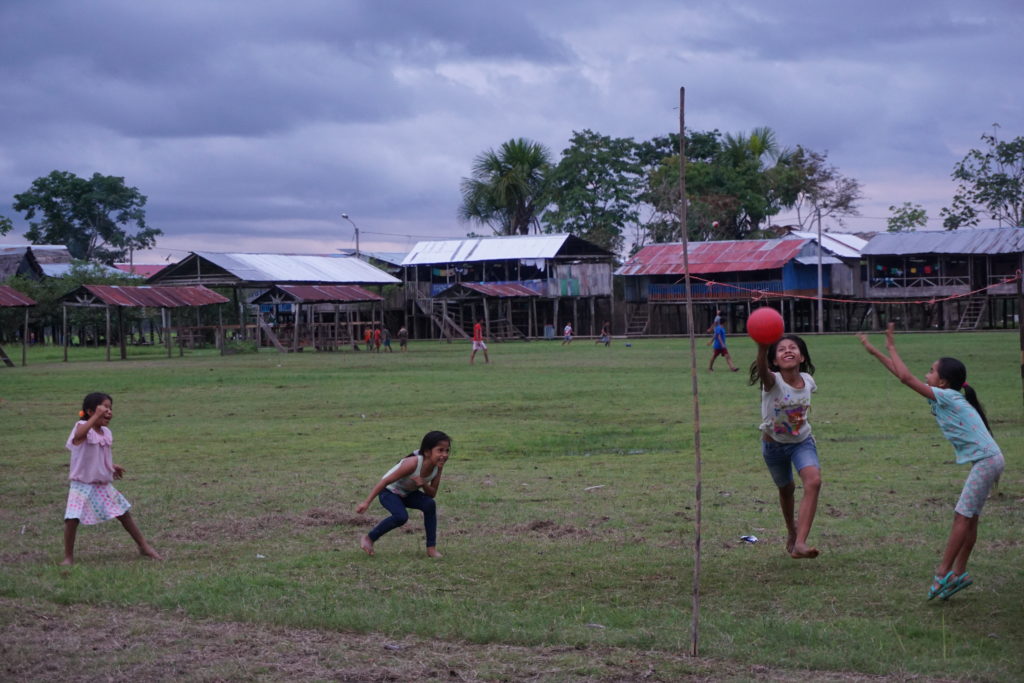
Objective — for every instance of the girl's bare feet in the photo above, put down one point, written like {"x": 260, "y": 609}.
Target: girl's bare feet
{"x": 68, "y": 561}
{"x": 791, "y": 541}
{"x": 147, "y": 551}
{"x": 802, "y": 551}
{"x": 432, "y": 552}
{"x": 366, "y": 544}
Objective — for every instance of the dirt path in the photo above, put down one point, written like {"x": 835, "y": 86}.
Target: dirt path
{"x": 48, "y": 642}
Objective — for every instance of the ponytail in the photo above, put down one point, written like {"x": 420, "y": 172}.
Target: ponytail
{"x": 972, "y": 397}
{"x": 955, "y": 373}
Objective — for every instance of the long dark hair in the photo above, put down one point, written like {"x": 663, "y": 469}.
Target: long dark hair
{"x": 806, "y": 366}
{"x": 955, "y": 374}
{"x": 431, "y": 439}
{"x": 92, "y": 401}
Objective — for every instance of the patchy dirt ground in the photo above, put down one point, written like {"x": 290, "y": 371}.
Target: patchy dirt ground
{"x": 48, "y": 642}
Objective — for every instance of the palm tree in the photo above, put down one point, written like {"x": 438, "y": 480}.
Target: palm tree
{"x": 508, "y": 188}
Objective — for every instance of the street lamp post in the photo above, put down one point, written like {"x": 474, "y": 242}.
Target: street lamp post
{"x": 345, "y": 216}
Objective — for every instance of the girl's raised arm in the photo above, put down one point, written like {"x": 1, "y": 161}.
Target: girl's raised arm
{"x": 894, "y": 364}
{"x": 82, "y": 428}
{"x": 765, "y": 374}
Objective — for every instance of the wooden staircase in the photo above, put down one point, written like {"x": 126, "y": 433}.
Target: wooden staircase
{"x": 447, "y": 319}
{"x": 502, "y": 329}
{"x": 970, "y": 319}
{"x": 637, "y": 324}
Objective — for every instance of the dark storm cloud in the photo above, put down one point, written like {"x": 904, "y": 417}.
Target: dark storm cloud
{"x": 247, "y": 121}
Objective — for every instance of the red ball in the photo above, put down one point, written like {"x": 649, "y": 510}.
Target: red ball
{"x": 765, "y": 325}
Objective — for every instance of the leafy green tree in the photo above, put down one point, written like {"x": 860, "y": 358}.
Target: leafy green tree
{"x": 93, "y": 217}
{"x": 807, "y": 183}
{"x": 990, "y": 182}
{"x": 5, "y": 225}
{"x": 508, "y": 187}
{"x": 907, "y": 218}
{"x": 593, "y": 189}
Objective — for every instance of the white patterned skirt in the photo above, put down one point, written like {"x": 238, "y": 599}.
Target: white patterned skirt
{"x": 95, "y": 503}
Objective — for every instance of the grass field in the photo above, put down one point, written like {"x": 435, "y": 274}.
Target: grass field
{"x": 566, "y": 519}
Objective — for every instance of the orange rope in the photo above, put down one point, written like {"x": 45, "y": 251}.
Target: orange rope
{"x": 760, "y": 294}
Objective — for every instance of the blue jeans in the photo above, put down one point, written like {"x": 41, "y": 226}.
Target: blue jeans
{"x": 398, "y": 507}
{"x": 783, "y": 458}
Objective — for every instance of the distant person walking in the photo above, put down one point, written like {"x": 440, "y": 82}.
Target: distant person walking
{"x": 567, "y": 334}
{"x": 478, "y": 342}
{"x": 387, "y": 340}
{"x": 719, "y": 349}
{"x": 403, "y": 339}
{"x": 606, "y": 334}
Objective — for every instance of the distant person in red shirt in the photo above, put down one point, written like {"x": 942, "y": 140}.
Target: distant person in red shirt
{"x": 478, "y": 342}
{"x": 376, "y": 339}
{"x": 367, "y": 336}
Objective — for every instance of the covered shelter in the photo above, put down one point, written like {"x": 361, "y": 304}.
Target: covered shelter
{"x": 119, "y": 298}
{"x": 561, "y": 270}
{"x": 324, "y": 334}
{"x": 12, "y": 298}
{"x": 251, "y": 274}
{"x": 476, "y": 300}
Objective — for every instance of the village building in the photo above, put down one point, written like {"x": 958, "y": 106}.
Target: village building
{"x": 728, "y": 276}
{"x": 520, "y": 286}
{"x": 271, "y": 313}
{"x": 950, "y": 280}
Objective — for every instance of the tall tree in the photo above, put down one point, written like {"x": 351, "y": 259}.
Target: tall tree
{"x": 907, "y": 217}
{"x": 5, "y": 225}
{"x": 990, "y": 182}
{"x": 91, "y": 217}
{"x": 807, "y": 183}
{"x": 593, "y": 189}
{"x": 508, "y": 187}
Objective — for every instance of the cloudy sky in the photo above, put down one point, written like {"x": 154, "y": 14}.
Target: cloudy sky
{"x": 251, "y": 125}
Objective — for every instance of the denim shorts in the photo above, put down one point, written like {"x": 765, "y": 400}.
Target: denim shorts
{"x": 783, "y": 458}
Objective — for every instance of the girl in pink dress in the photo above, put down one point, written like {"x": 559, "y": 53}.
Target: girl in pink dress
{"x": 92, "y": 498}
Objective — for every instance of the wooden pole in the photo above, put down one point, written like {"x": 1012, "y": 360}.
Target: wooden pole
{"x": 107, "y": 309}
{"x": 64, "y": 331}
{"x": 24, "y": 342}
{"x": 695, "y": 616}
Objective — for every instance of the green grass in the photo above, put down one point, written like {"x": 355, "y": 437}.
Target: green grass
{"x": 566, "y": 510}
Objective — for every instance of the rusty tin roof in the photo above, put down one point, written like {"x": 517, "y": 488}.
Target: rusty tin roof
{"x": 306, "y": 294}
{"x": 713, "y": 257}
{"x": 10, "y": 297}
{"x": 152, "y": 297}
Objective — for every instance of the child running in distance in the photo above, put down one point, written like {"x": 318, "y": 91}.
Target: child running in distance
{"x": 92, "y": 498}
{"x": 719, "y": 348}
{"x": 784, "y": 370}
{"x": 963, "y": 422}
{"x": 400, "y": 489}
{"x": 478, "y": 342}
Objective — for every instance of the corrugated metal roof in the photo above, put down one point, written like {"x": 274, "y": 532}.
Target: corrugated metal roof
{"x": 153, "y": 297}
{"x": 142, "y": 270}
{"x": 842, "y": 244}
{"x": 317, "y": 294}
{"x": 713, "y": 257}
{"x": 981, "y": 241}
{"x": 501, "y": 291}
{"x": 269, "y": 269}
{"x": 496, "y": 249}
{"x": 10, "y": 297}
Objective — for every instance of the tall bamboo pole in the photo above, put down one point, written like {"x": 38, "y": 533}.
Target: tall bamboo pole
{"x": 695, "y": 618}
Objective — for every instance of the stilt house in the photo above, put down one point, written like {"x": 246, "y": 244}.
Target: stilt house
{"x": 726, "y": 276}
{"x": 521, "y": 287}
{"x": 920, "y": 271}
